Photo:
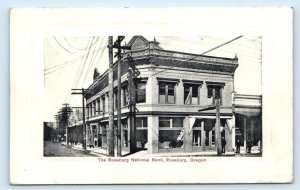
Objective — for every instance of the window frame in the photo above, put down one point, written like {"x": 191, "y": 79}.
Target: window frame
{"x": 166, "y": 95}
{"x": 137, "y": 92}
{"x": 214, "y": 86}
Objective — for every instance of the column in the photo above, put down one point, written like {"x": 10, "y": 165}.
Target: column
{"x": 152, "y": 90}
{"x": 233, "y": 132}
{"x": 202, "y": 135}
{"x": 188, "y": 138}
{"x": 180, "y": 93}
{"x": 204, "y": 101}
{"x": 245, "y": 131}
{"x": 153, "y": 134}
{"x": 149, "y": 90}
{"x": 122, "y": 133}
{"x": 210, "y": 138}
{"x": 252, "y": 130}
{"x": 228, "y": 138}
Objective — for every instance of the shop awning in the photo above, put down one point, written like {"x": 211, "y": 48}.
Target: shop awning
{"x": 115, "y": 119}
{"x": 192, "y": 120}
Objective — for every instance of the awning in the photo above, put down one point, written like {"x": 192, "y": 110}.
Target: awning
{"x": 115, "y": 119}
{"x": 192, "y": 120}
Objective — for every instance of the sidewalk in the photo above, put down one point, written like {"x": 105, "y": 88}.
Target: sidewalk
{"x": 94, "y": 151}
{"x": 144, "y": 153}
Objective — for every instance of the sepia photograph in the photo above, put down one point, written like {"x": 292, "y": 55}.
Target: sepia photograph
{"x": 153, "y": 96}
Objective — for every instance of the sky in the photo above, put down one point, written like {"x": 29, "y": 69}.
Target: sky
{"x": 66, "y": 65}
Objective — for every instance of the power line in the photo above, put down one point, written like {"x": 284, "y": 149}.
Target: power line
{"x": 84, "y": 63}
{"x": 67, "y": 41}
{"x": 219, "y": 46}
{"x": 63, "y": 46}
{"x": 68, "y": 62}
{"x": 78, "y": 70}
{"x": 92, "y": 61}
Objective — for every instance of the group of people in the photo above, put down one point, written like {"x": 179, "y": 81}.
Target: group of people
{"x": 248, "y": 145}
{"x": 72, "y": 141}
{"x": 238, "y": 145}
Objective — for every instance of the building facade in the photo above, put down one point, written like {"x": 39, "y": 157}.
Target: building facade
{"x": 172, "y": 89}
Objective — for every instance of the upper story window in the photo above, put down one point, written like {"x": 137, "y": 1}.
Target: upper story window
{"x": 141, "y": 93}
{"x": 94, "y": 108}
{"x": 167, "y": 90}
{"x": 125, "y": 95}
{"x": 192, "y": 91}
{"x": 103, "y": 104}
{"x": 214, "y": 91}
{"x": 98, "y": 106}
{"x": 167, "y": 93}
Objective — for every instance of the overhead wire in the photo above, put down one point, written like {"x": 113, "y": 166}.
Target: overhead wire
{"x": 92, "y": 59}
{"x": 67, "y": 41}
{"x": 67, "y": 62}
{"x": 63, "y": 46}
{"x": 79, "y": 69}
{"x": 89, "y": 49}
{"x": 99, "y": 56}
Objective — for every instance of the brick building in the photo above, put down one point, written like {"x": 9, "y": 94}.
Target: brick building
{"x": 172, "y": 87}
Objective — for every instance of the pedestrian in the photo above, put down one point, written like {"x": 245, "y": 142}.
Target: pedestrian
{"x": 238, "y": 145}
{"x": 143, "y": 142}
{"x": 223, "y": 142}
{"x": 249, "y": 145}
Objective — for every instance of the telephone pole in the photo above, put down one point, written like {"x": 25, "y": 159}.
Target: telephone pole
{"x": 56, "y": 120}
{"x": 118, "y": 46}
{"x": 110, "y": 135}
{"x": 217, "y": 125}
{"x": 66, "y": 111}
{"x": 132, "y": 77}
{"x": 84, "y": 129}
{"x": 218, "y": 131}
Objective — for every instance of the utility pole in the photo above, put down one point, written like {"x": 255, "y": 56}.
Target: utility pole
{"x": 218, "y": 131}
{"x": 110, "y": 135}
{"x": 56, "y": 120}
{"x": 84, "y": 129}
{"x": 118, "y": 46}
{"x": 132, "y": 77}
{"x": 217, "y": 125}
{"x": 66, "y": 111}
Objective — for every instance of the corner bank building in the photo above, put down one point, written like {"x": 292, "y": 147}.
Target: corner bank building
{"x": 172, "y": 88}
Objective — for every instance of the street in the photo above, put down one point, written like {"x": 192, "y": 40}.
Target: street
{"x": 59, "y": 150}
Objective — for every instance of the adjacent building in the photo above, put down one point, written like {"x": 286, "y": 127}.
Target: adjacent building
{"x": 172, "y": 88}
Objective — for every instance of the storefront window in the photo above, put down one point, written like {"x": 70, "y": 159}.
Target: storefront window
{"x": 171, "y": 132}
{"x": 141, "y": 132}
{"x": 197, "y": 137}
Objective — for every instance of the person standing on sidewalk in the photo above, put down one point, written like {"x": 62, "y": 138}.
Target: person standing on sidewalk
{"x": 223, "y": 142}
{"x": 249, "y": 145}
{"x": 238, "y": 145}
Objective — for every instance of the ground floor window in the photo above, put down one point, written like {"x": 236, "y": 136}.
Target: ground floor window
{"x": 213, "y": 137}
{"x": 171, "y": 132}
{"x": 141, "y": 132}
{"x": 125, "y": 132}
{"x": 197, "y": 137}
